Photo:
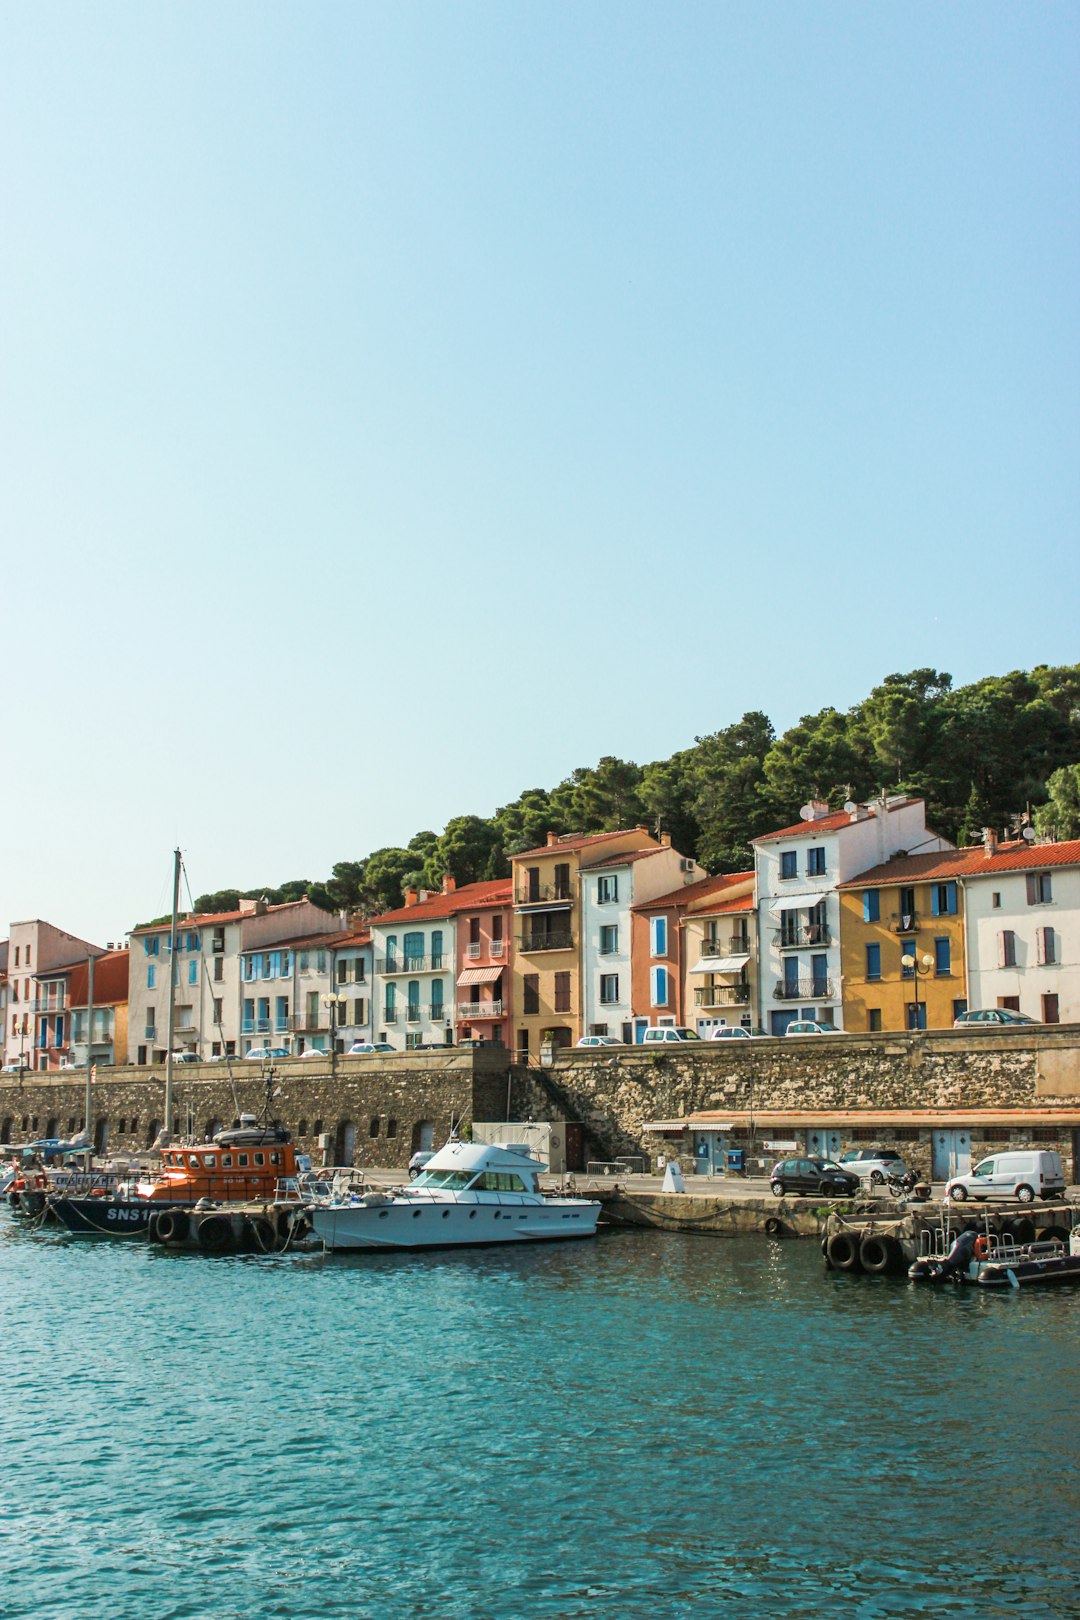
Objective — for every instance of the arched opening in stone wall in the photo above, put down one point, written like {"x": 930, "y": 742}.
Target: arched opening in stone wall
{"x": 5, "y": 1129}
{"x": 211, "y": 1130}
{"x": 346, "y": 1142}
{"x": 52, "y": 1128}
{"x": 101, "y": 1135}
{"x": 152, "y": 1132}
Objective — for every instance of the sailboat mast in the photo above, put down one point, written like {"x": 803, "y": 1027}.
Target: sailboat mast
{"x": 167, "y": 1123}
{"x": 88, "y": 1103}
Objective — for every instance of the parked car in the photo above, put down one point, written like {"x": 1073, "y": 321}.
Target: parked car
{"x": 734, "y": 1032}
{"x": 186, "y": 1057}
{"x": 991, "y": 1016}
{"x": 599, "y": 1040}
{"x": 1019, "y": 1175}
{"x": 418, "y": 1161}
{"x": 875, "y": 1165}
{"x": 811, "y": 1026}
{"x": 668, "y": 1032}
{"x": 263, "y": 1054}
{"x": 368, "y": 1046}
{"x": 822, "y": 1176}
{"x": 314, "y": 1052}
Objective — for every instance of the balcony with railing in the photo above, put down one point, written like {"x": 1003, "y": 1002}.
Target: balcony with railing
{"x": 256, "y": 1026}
{"x": 389, "y": 1015}
{"x": 731, "y": 945}
{"x": 722, "y": 995}
{"x": 555, "y": 940}
{"x": 823, "y": 989}
{"x": 904, "y": 922}
{"x": 474, "y": 1010}
{"x": 150, "y": 1032}
{"x": 804, "y": 938}
{"x": 535, "y": 894}
{"x": 307, "y": 1021}
{"x": 473, "y": 949}
{"x": 411, "y": 964}
{"x": 49, "y": 1004}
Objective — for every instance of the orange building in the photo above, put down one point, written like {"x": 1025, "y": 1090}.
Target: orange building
{"x": 668, "y": 937}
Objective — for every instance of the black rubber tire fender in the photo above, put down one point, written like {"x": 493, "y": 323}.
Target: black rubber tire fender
{"x": 843, "y": 1251}
{"x": 215, "y": 1235}
{"x": 171, "y": 1226}
{"x": 773, "y": 1225}
{"x": 877, "y": 1254}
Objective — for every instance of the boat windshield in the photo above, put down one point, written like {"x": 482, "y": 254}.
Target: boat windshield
{"x": 447, "y": 1180}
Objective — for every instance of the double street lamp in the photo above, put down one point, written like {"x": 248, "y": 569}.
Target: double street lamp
{"x": 916, "y": 968}
{"x": 335, "y": 1003}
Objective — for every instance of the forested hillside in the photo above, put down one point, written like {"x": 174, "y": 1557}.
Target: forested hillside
{"x": 980, "y": 755}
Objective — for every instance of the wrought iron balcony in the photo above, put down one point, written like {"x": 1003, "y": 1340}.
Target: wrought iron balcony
{"x": 307, "y": 1021}
{"x": 496, "y": 947}
{"x": 804, "y": 938}
{"x": 389, "y": 1015}
{"x": 556, "y": 940}
{"x": 411, "y": 964}
{"x": 722, "y": 995}
{"x": 805, "y": 990}
{"x": 904, "y": 922}
{"x": 472, "y": 949}
{"x": 733, "y": 945}
{"x": 479, "y": 1009}
{"x": 535, "y": 894}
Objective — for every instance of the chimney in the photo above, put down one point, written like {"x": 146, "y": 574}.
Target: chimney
{"x": 990, "y": 843}
{"x": 449, "y": 883}
{"x": 260, "y": 907}
{"x": 665, "y": 840}
{"x": 552, "y": 838}
{"x": 411, "y": 897}
{"x": 246, "y": 907}
{"x": 820, "y": 807}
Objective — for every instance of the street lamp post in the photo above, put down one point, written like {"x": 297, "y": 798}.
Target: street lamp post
{"x": 917, "y": 967}
{"x": 333, "y": 1002}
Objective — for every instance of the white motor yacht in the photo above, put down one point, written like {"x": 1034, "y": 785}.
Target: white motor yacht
{"x": 468, "y": 1193}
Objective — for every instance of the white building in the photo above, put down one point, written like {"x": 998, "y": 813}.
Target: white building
{"x": 414, "y": 951}
{"x": 797, "y": 871}
{"x": 1022, "y": 929}
{"x": 610, "y": 886}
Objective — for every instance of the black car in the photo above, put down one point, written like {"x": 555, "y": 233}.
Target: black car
{"x": 823, "y": 1176}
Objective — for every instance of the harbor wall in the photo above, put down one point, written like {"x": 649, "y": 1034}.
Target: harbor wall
{"x": 376, "y": 1107}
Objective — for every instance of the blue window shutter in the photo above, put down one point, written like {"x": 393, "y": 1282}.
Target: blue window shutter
{"x": 871, "y": 905}
{"x": 935, "y": 895}
{"x": 951, "y": 891}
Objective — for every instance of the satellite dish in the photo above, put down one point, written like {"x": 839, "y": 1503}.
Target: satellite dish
{"x": 806, "y": 812}
{"x": 850, "y": 806}
{"x": 1029, "y": 834}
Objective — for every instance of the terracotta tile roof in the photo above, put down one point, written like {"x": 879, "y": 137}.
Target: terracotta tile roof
{"x": 742, "y": 902}
{"x": 206, "y": 919}
{"x": 495, "y": 892}
{"x": 306, "y": 942}
{"x": 701, "y": 890}
{"x": 625, "y": 857}
{"x": 830, "y": 823}
{"x": 575, "y": 841}
{"x": 971, "y": 861}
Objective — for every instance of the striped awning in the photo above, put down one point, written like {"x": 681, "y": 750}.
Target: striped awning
{"x": 486, "y": 975}
{"x": 720, "y": 964}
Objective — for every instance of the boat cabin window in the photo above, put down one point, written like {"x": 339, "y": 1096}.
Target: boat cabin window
{"x": 275, "y": 1158}
{"x": 226, "y": 1161}
{"x": 260, "y": 1158}
{"x": 448, "y": 1180}
{"x": 241, "y": 1158}
{"x": 499, "y": 1181}
{"x": 209, "y": 1161}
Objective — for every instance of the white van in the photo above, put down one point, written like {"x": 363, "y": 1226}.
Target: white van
{"x": 1022, "y": 1175}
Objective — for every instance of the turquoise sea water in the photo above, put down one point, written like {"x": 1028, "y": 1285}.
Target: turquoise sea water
{"x": 646, "y": 1425}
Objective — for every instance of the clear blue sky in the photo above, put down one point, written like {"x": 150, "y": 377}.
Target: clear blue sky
{"x": 401, "y": 404}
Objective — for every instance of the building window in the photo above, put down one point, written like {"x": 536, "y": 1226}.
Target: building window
{"x": 358, "y": 1010}
{"x": 916, "y": 1015}
{"x": 562, "y": 881}
{"x": 1046, "y": 946}
{"x": 658, "y": 936}
{"x": 958, "y": 1007}
{"x": 609, "y": 939}
{"x": 218, "y": 1009}
{"x": 815, "y": 861}
{"x": 907, "y": 911}
{"x": 789, "y": 863}
{"x": 942, "y": 957}
{"x": 436, "y": 947}
{"x": 658, "y": 986}
{"x": 607, "y": 890}
{"x": 342, "y": 972}
{"x": 907, "y": 948}
{"x": 193, "y": 973}
{"x": 373, "y": 1128}
{"x": 151, "y": 977}
{"x": 995, "y": 900}
{"x": 819, "y": 976}
{"x": 871, "y": 905}
{"x": 1050, "y": 1011}
{"x": 943, "y": 899}
{"x": 530, "y": 993}
{"x": 873, "y": 961}
{"x": 532, "y": 883}
{"x": 562, "y": 992}
{"x": 219, "y": 969}
{"x": 873, "y": 1016}
{"x": 413, "y": 951}
{"x": 1039, "y": 890}
{"x": 609, "y": 988}
{"x": 1006, "y": 948}
{"x": 391, "y": 1128}
{"x": 437, "y": 1006}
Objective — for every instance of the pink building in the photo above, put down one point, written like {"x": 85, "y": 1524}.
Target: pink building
{"x": 483, "y": 917}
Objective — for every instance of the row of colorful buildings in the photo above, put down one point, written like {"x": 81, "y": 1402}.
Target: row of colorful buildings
{"x": 862, "y": 918}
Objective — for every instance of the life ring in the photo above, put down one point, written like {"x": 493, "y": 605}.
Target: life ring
{"x": 981, "y": 1249}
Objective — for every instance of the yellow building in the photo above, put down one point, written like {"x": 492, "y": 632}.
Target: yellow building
{"x": 911, "y": 907}
{"x": 546, "y": 968}
{"x": 719, "y": 954}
